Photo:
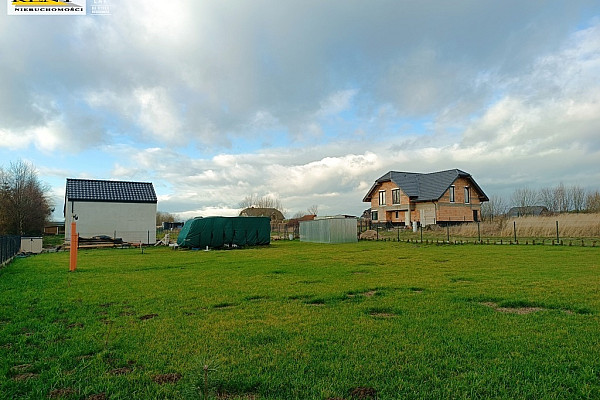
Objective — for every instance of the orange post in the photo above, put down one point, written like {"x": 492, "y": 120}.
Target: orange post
{"x": 74, "y": 244}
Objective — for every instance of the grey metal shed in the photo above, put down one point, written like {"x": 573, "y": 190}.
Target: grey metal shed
{"x": 335, "y": 229}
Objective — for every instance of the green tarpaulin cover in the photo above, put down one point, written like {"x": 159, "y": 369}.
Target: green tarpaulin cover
{"x": 217, "y": 232}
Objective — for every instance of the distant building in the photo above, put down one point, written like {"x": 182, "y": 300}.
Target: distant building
{"x": 535, "y": 211}
{"x": 54, "y": 228}
{"x": 117, "y": 209}
{"x": 274, "y": 214}
{"x": 172, "y": 225}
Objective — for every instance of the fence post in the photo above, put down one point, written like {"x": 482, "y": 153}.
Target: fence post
{"x": 515, "y": 230}
{"x": 448, "y": 233}
{"x": 421, "y": 226}
{"x": 478, "y": 232}
{"x": 557, "y": 239}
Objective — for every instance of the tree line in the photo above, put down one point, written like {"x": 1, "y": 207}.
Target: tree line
{"x": 24, "y": 202}
{"x": 558, "y": 199}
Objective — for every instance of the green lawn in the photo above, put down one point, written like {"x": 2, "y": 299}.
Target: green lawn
{"x": 304, "y": 321}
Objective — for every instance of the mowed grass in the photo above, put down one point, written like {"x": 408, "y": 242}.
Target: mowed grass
{"x": 303, "y": 321}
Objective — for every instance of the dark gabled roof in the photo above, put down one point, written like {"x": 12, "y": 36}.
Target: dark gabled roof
{"x": 112, "y": 191}
{"x": 528, "y": 210}
{"x": 425, "y": 187}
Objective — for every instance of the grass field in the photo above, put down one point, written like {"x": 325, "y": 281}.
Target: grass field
{"x": 304, "y": 321}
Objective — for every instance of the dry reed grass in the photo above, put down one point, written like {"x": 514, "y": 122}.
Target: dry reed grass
{"x": 569, "y": 226}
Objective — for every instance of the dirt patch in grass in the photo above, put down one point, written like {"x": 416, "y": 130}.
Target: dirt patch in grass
{"x": 513, "y": 310}
{"x": 121, "y": 371}
{"x": 368, "y": 293}
{"x": 363, "y": 393}
{"x": 21, "y": 368}
{"x": 148, "y": 316}
{"x": 59, "y": 393}
{"x": 230, "y": 396}
{"x": 382, "y": 313}
{"x": 24, "y": 377}
{"x": 162, "y": 379}
{"x": 75, "y": 325}
{"x": 126, "y": 313}
{"x": 98, "y": 396}
{"x": 315, "y": 302}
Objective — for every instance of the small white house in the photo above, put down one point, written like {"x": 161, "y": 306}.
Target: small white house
{"x": 116, "y": 209}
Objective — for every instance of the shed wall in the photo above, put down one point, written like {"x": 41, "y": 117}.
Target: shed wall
{"x": 329, "y": 230}
{"x": 31, "y": 245}
{"x": 133, "y": 222}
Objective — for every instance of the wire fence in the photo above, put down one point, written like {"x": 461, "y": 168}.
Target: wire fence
{"x": 515, "y": 231}
{"x": 9, "y": 247}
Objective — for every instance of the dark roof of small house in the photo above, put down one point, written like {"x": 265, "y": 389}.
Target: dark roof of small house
{"x": 528, "y": 210}
{"x": 110, "y": 191}
{"x": 272, "y": 213}
{"x": 425, "y": 187}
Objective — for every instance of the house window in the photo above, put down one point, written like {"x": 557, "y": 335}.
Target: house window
{"x": 374, "y": 216}
{"x": 396, "y": 196}
{"x": 467, "y": 195}
{"x": 382, "y": 197}
{"x": 397, "y": 214}
{"x": 452, "y": 194}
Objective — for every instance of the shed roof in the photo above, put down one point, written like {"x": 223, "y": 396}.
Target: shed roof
{"x": 110, "y": 191}
{"x": 425, "y": 187}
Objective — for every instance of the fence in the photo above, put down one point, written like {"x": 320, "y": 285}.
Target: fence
{"x": 9, "y": 247}
{"x": 281, "y": 230}
{"x": 567, "y": 230}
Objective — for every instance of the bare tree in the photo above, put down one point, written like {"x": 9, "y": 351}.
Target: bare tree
{"x": 299, "y": 214}
{"x": 525, "y": 197}
{"x": 24, "y": 203}
{"x": 162, "y": 216}
{"x": 313, "y": 210}
{"x": 548, "y": 199}
{"x": 495, "y": 207}
{"x": 562, "y": 198}
{"x": 577, "y": 195}
{"x": 592, "y": 201}
{"x": 266, "y": 201}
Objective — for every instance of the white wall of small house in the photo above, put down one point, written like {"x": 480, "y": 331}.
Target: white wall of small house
{"x": 133, "y": 222}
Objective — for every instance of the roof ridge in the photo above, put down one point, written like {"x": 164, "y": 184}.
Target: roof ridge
{"x": 104, "y": 180}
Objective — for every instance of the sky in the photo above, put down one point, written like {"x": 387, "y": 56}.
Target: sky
{"x": 305, "y": 101}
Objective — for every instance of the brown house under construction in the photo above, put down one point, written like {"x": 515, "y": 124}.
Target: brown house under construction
{"x": 405, "y": 198}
